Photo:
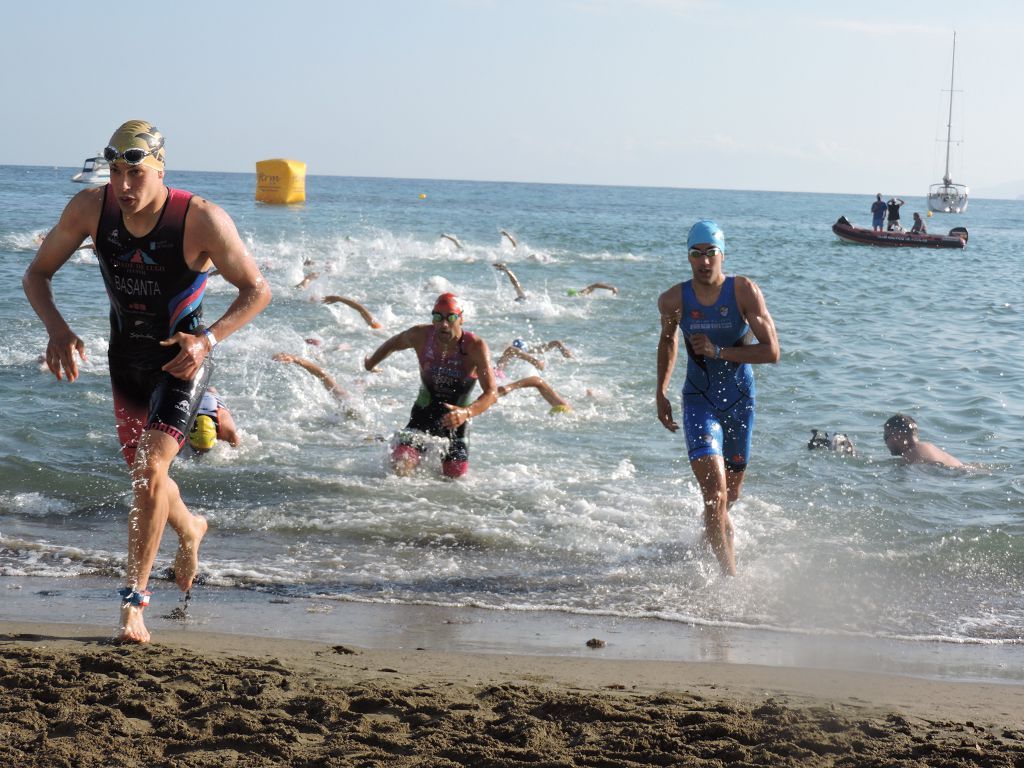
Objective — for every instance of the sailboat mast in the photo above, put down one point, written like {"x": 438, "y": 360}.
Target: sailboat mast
{"x": 949, "y": 123}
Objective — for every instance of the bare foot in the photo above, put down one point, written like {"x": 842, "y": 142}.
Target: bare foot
{"x": 186, "y": 561}
{"x": 133, "y": 628}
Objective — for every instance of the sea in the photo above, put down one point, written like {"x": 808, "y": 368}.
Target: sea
{"x": 588, "y": 513}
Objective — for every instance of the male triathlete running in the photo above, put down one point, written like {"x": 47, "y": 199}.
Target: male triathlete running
{"x": 718, "y": 314}
{"x": 155, "y": 246}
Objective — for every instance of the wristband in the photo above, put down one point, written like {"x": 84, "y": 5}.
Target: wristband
{"x": 211, "y": 338}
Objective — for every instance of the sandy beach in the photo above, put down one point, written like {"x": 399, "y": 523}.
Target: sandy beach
{"x": 194, "y": 698}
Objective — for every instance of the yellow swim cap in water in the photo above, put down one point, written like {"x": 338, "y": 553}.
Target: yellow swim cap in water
{"x": 203, "y": 434}
{"x": 137, "y": 135}
{"x": 559, "y": 409}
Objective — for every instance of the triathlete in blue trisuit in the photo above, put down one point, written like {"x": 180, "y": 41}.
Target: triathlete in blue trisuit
{"x": 155, "y": 247}
{"x": 721, "y": 317}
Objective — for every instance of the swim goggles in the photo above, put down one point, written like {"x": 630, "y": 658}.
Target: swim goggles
{"x": 451, "y": 317}
{"x": 132, "y": 155}
{"x": 700, "y": 253}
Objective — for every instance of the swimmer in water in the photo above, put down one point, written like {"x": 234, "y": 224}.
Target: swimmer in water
{"x": 720, "y": 317}
{"x": 593, "y": 287}
{"x": 213, "y": 422}
{"x": 520, "y": 349}
{"x": 516, "y": 285}
{"x": 452, "y": 361}
{"x": 363, "y": 311}
{"x": 901, "y": 438}
{"x": 309, "y": 366}
{"x": 558, "y": 403}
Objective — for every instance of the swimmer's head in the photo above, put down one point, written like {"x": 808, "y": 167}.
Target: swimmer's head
{"x": 136, "y": 143}
{"x": 519, "y": 344}
{"x": 447, "y": 304}
{"x": 571, "y": 292}
{"x": 203, "y": 434}
{"x": 556, "y": 409}
{"x": 706, "y": 232}
{"x": 899, "y": 432}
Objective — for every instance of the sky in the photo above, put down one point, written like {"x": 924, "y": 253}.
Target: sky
{"x": 788, "y": 95}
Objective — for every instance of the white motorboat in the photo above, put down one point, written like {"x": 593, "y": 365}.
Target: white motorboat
{"x": 95, "y": 170}
{"x": 948, "y": 197}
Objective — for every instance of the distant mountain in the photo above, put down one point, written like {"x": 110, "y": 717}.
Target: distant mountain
{"x": 1011, "y": 190}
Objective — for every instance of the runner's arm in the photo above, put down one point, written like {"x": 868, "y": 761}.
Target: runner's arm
{"x": 76, "y": 223}
{"x": 211, "y": 237}
{"x": 480, "y": 358}
{"x": 670, "y": 307}
{"x": 410, "y": 338}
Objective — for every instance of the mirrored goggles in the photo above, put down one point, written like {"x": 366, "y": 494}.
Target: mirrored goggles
{"x": 700, "y": 253}
{"x": 451, "y": 317}
{"x": 132, "y": 155}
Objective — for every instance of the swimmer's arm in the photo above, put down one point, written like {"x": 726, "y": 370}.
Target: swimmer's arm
{"x": 363, "y": 311}
{"x": 516, "y": 352}
{"x": 555, "y": 344}
{"x": 326, "y": 379}
{"x": 410, "y": 338}
{"x": 594, "y": 286}
{"x": 77, "y": 222}
{"x": 226, "y": 429}
{"x": 931, "y": 453}
{"x": 670, "y": 306}
{"x": 755, "y": 311}
{"x": 502, "y": 267}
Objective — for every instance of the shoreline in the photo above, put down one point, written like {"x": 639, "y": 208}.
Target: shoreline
{"x": 403, "y": 627}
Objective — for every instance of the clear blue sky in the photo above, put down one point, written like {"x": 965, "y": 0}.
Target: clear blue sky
{"x": 803, "y": 95}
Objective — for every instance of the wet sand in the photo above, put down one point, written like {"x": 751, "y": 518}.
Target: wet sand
{"x": 70, "y": 697}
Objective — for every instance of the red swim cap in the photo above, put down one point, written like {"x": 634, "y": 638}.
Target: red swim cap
{"x": 447, "y": 302}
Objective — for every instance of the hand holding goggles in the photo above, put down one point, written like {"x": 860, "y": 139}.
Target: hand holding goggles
{"x": 451, "y": 317}
{"x": 700, "y": 253}
{"x": 132, "y": 155}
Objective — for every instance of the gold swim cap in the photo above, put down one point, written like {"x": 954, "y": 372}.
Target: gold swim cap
{"x": 560, "y": 409}
{"x": 138, "y": 134}
{"x": 203, "y": 434}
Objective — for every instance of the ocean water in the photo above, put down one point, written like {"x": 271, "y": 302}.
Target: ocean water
{"x": 593, "y": 512}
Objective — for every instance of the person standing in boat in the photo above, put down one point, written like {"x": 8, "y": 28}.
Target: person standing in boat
{"x": 721, "y": 317}
{"x": 919, "y": 228}
{"x": 894, "y": 214}
{"x": 878, "y": 213}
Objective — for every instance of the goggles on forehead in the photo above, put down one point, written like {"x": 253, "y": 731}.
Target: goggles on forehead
{"x": 700, "y": 253}
{"x": 132, "y": 155}
{"x": 451, "y": 317}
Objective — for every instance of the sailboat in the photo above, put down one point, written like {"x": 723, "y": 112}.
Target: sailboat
{"x": 948, "y": 197}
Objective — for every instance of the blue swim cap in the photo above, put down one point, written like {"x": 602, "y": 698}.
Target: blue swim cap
{"x": 519, "y": 344}
{"x": 706, "y": 231}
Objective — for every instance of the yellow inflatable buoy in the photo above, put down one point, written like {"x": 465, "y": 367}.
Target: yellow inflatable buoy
{"x": 280, "y": 181}
{"x": 422, "y": 196}
{"x": 929, "y": 214}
